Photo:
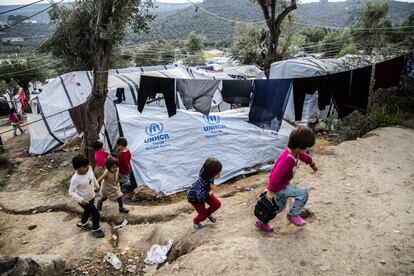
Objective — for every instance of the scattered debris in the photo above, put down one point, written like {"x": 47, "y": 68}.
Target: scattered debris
{"x": 114, "y": 237}
{"x": 131, "y": 268}
{"x": 87, "y": 258}
{"x": 34, "y": 212}
{"x": 396, "y": 231}
{"x": 113, "y": 260}
{"x": 124, "y": 222}
{"x": 158, "y": 254}
{"x": 150, "y": 268}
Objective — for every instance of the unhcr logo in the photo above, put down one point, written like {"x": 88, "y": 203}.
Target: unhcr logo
{"x": 154, "y": 129}
{"x": 211, "y": 119}
{"x": 213, "y": 123}
{"x": 156, "y": 133}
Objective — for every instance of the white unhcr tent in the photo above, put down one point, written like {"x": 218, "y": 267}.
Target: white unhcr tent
{"x": 72, "y": 89}
{"x": 302, "y": 68}
{"x": 167, "y": 153}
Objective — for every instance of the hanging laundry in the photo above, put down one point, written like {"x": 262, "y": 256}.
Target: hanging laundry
{"x": 269, "y": 102}
{"x": 237, "y": 91}
{"x": 388, "y": 73}
{"x": 120, "y": 94}
{"x": 408, "y": 68}
{"x": 360, "y": 85}
{"x": 310, "y": 85}
{"x": 197, "y": 94}
{"x": 22, "y": 97}
{"x": 78, "y": 116}
{"x": 339, "y": 86}
{"x": 149, "y": 85}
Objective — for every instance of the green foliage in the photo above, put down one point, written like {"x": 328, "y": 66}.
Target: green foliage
{"x": 388, "y": 119}
{"x": 349, "y": 49}
{"x": 156, "y": 52}
{"x": 385, "y": 108}
{"x": 248, "y": 44}
{"x": 333, "y": 42}
{"x": 71, "y": 41}
{"x": 23, "y": 72}
{"x": 193, "y": 49}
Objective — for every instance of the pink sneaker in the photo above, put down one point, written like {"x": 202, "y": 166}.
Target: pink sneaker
{"x": 296, "y": 220}
{"x": 264, "y": 227}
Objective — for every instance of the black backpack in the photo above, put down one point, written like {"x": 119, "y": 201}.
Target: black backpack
{"x": 265, "y": 210}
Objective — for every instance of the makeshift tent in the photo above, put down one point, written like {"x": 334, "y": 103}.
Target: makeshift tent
{"x": 302, "y": 68}
{"x": 167, "y": 153}
{"x": 72, "y": 89}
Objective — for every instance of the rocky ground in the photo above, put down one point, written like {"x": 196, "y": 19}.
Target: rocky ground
{"x": 360, "y": 218}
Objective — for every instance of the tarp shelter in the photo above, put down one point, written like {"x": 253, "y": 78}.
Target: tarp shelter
{"x": 167, "y": 153}
{"x": 302, "y": 68}
{"x": 72, "y": 89}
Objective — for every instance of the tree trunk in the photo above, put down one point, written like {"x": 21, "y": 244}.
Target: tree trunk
{"x": 102, "y": 50}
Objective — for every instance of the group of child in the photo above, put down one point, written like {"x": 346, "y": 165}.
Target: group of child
{"x": 109, "y": 174}
{"x": 201, "y": 192}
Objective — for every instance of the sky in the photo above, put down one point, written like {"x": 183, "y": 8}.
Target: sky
{"x": 19, "y": 2}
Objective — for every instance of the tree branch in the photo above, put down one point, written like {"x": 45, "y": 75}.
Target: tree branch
{"x": 285, "y": 12}
{"x": 266, "y": 14}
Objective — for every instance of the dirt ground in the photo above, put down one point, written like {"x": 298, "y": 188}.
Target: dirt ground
{"x": 360, "y": 217}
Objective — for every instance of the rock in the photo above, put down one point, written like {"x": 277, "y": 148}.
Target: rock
{"x": 36, "y": 265}
{"x": 25, "y": 242}
{"x": 32, "y": 227}
{"x": 34, "y": 212}
{"x": 7, "y": 263}
{"x": 383, "y": 262}
{"x": 321, "y": 126}
{"x": 143, "y": 193}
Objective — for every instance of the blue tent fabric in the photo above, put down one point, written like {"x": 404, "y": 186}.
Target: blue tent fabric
{"x": 268, "y": 103}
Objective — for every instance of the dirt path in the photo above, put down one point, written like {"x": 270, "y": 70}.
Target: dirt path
{"x": 360, "y": 220}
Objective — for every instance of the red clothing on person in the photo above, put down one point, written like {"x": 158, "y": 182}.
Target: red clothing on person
{"x": 284, "y": 169}
{"x": 124, "y": 159}
{"x": 202, "y": 212}
{"x": 100, "y": 158}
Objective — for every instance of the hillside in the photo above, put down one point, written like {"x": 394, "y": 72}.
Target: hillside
{"x": 180, "y": 23}
{"x": 176, "y": 21}
{"x": 161, "y": 8}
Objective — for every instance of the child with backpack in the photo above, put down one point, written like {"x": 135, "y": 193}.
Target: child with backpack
{"x": 110, "y": 185}
{"x": 82, "y": 189}
{"x": 279, "y": 187}
{"x": 199, "y": 192}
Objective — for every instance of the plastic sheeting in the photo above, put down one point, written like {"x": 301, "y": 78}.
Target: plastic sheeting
{"x": 40, "y": 139}
{"x": 167, "y": 153}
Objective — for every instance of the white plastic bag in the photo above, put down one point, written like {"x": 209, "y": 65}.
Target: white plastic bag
{"x": 158, "y": 254}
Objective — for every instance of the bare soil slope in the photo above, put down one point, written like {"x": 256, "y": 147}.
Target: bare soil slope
{"x": 360, "y": 219}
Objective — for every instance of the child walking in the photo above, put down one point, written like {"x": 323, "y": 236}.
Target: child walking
{"x": 101, "y": 156}
{"x": 110, "y": 185}
{"x": 82, "y": 189}
{"x": 199, "y": 192}
{"x": 15, "y": 121}
{"x": 124, "y": 159}
{"x": 279, "y": 186}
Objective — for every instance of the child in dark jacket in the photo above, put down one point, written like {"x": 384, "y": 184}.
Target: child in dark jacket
{"x": 199, "y": 192}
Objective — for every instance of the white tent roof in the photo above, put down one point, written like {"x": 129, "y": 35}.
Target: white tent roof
{"x": 72, "y": 89}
